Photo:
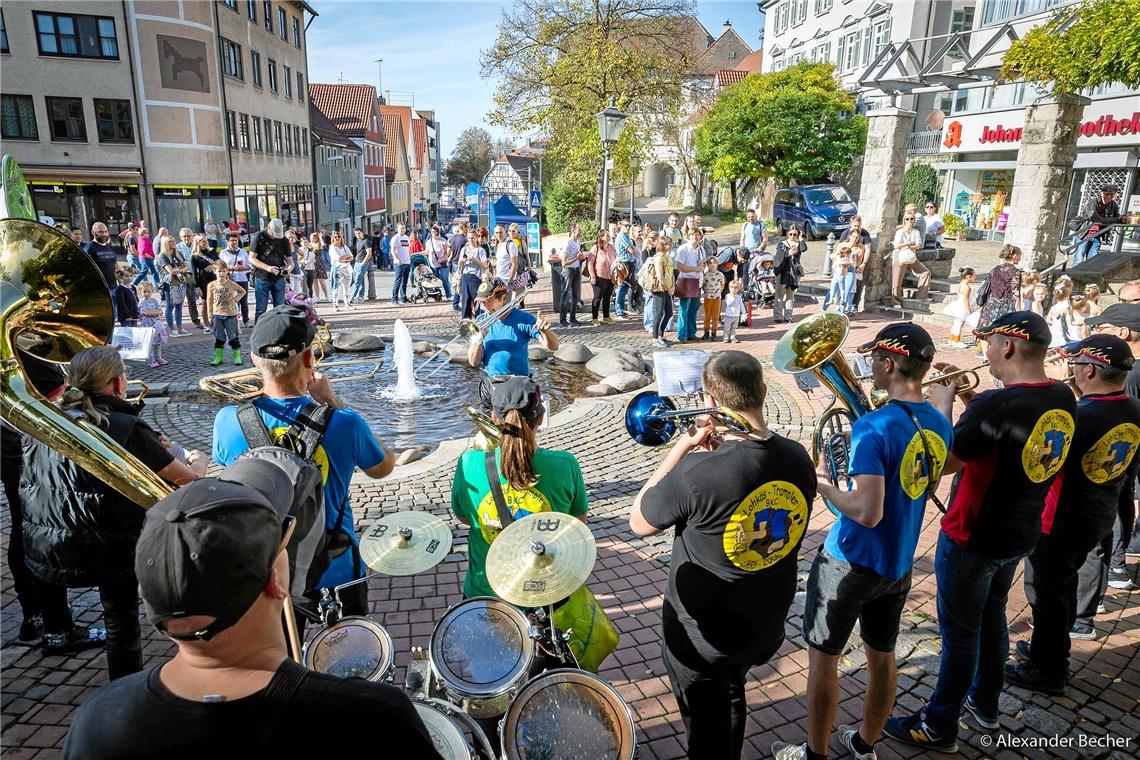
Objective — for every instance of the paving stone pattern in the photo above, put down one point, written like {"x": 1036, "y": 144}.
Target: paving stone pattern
{"x": 39, "y": 693}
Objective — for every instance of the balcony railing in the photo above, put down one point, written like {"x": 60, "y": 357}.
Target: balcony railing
{"x": 923, "y": 143}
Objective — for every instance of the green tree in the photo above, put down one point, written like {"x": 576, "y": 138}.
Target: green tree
{"x": 558, "y": 62}
{"x": 474, "y": 152}
{"x": 794, "y": 124}
{"x": 1094, "y": 43}
{"x": 566, "y": 201}
{"x": 920, "y": 184}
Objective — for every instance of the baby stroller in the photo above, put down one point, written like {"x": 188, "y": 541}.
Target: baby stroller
{"x": 424, "y": 283}
{"x": 761, "y": 282}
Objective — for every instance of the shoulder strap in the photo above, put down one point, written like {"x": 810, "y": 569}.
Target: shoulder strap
{"x": 252, "y": 426}
{"x": 278, "y": 694}
{"x": 505, "y": 517}
{"x": 309, "y": 426}
{"x": 930, "y": 482}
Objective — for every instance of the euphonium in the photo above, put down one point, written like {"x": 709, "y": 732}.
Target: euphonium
{"x": 813, "y": 345}
{"x": 53, "y": 304}
{"x": 652, "y": 419}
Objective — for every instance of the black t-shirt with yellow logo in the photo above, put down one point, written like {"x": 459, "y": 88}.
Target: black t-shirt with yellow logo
{"x": 1014, "y": 441}
{"x": 740, "y": 513}
{"x": 1083, "y": 498}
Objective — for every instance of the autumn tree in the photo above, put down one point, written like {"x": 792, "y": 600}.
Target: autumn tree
{"x": 558, "y": 62}
{"x": 475, "y": 151}
{"x": 794, "y": 124}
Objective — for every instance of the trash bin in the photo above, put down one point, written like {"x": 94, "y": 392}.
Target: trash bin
{"x": 371, "y": 278}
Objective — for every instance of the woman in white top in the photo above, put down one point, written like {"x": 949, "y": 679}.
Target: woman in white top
{"x": 308, "y": 266}
{"x": 473, "y": 263}
{"x": 342, "y": 257}
{"x": 934, "y": 225}
{"x": 571, "y": 258}
{"x": 907, "y": 244}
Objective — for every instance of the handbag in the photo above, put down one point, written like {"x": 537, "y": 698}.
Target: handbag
{"x": 592, "y": 635}
{"x": 907, "y": 257}
{"x": 983, "y": 293}
{"x": 688, "y": 287}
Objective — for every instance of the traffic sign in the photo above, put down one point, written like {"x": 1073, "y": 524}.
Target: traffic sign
{"x": 536, "y": 199}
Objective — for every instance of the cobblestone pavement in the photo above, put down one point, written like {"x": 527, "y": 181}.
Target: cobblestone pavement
{"x": 39, "y": 693}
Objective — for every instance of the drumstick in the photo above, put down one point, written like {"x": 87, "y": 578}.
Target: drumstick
{"x": 291, "y": 628}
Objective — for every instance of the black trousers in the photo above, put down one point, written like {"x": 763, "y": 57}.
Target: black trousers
{"x": 192, "y": 304}
{"x": 603, "y": 292}
{"x": 664, "y": 313}
{"x": 710, "y": 695}
{"x": 468, "y": 289}
{"x": 27, "y": 593}
{"x": 1051, "y": 573}
{"x": 1092, "y": 582}
{"x": 243, "y": 302}
{"x": 120, "y": 598}
{"x": 571, "y": 294}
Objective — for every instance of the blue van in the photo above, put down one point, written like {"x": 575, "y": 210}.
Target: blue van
{"x": 815, "y": 209}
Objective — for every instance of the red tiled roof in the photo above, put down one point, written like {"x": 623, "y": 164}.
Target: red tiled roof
{"x": 394, "y": 130}
{"x": 752, "y": 62}
{"x": 728, "y": 77}
{"x": 419, "y": 128}
{"x": 403, "y": 115}
{"x": 348, "y": 106}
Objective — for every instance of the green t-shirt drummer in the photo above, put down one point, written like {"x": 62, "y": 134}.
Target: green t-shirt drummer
{"x": 533, "y": 479}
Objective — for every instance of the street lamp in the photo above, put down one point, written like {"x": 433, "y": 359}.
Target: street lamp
{"x": 610, "y": 123}
{"x": 634, "y": 164}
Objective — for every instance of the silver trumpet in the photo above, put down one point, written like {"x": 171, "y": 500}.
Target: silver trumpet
{"x": 469, "y": 328}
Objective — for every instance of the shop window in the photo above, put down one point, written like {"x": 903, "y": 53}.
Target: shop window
{"x": 267, "y": 14}
{"x": 231, "y": 59}
{"x": 255, "y": 128}
{"x": 255, "y": 67}
{"x": 282, "y": 28}
{"x": 272, "y": 68}
{"x": 113, "y": 121}
{"x": 287, "y": 78}
{"x": 65, "y": 117}
{"x": 18, "y": 118}
{"x": 177, "y": 208}
{"x": 216, "y": 206}
{"x": 76, "y": 36}
{"x": 251, "y": 10}
{"x": 296, "y": 32}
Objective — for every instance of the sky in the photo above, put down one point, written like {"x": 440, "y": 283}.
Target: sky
{"x": 431, "y": 52}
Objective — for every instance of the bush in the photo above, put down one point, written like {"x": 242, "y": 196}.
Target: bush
{"x": 589, "y": 231}
{"x": 954, "y": 224}
{"x": 565, "y": 202}
{"x": 920, "y": 184}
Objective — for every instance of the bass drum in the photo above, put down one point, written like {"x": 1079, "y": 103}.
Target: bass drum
{"x": 570, "y": 715}
{"x": 353, "y": 647}
{"x": 445, "y": 733}
{"x": 481, "y": 654}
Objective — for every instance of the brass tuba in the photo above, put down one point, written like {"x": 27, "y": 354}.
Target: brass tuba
{"x": 53, "y": 304}
{"x": 813, "y": 345}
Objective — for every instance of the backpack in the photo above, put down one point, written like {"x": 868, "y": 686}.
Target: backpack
{"x": 645, "y": 276}
{"x": 313, "y": 546}
{"x": 982, "y": 294}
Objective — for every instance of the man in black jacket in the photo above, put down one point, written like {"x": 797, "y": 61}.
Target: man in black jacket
{"x": 270, "y": 258}
{"x": 1105, "y": 211}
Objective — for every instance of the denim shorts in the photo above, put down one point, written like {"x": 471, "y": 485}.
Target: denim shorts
{"x": 839, "y": 593}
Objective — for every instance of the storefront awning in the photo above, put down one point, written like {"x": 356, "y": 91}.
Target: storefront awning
{"x": 979, "y": 165}
{"x": 72, "y": 174}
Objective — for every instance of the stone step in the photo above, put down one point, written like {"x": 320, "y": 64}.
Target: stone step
{"x": 913, "y": 311}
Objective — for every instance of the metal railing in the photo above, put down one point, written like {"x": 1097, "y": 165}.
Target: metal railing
{"x": 924, "y": 143}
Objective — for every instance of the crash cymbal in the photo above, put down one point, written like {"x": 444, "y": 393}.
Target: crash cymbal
{"x": 405, "y": 543}
{"x": 541, "y": 559}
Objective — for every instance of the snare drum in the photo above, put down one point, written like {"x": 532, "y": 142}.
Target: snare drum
{"x": 353, "y": 647}
{"x": 445, "y": 733}
{"x": 481, "y": 654}
{"x": 568, "y": 714}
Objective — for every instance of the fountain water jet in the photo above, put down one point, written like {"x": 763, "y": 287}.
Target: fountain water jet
{"x": 405, "y": 363}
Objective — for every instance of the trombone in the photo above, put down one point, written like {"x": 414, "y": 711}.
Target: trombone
{"x": 973, "y": 380}
{"x": 245, "y": 384}
{"x": 651, "y": 419}
{"x": 468, "y": 328}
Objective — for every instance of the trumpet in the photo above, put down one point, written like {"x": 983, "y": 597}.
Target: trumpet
{"x": 245, "y": 384}
{"x": 973, "y": 380}
{"x": 468, "y": 328}
{"x": 651, "y": 419}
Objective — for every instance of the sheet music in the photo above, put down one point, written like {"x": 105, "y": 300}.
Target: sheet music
{"x": 678, "y": 372}
{"x": 134, "y": 342}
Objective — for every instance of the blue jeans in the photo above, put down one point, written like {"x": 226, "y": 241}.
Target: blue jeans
{"x": 842, "y": 290}
{"x": 359, "y": 288}
{"x": 687, "y": 318}
{"x": 264, "y": 290}
{"x": 651, "y": 307}
{"x": 173, "y": 311}
{"x": 1086, "y": 250}
{"x": 622, "y": 294}
{"x": 444, "y": 275}
{"x": 972, "y": 592}
{"x": 400, "y": 282}
{"x": 146, "y": 266}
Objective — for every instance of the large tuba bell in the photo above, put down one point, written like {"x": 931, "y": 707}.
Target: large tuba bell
{"x": 813, "y": 345}
{"x": 54, "y": 303}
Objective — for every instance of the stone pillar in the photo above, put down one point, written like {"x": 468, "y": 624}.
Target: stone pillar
{"x": 884, "y": 163}
{"x": 1044, "y": 175}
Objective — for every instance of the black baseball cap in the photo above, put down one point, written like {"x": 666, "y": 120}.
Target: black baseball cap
{"x": 282, "y": 332}
{"x": 904, "y": 339}
{"x": 489, "y": 288}
{"x": 1024, "y": 325}
{"x": 1103, "y": 350}
{"x": 1118, "y": 315}
{"x": 208, "y": 548}
{"x": 515, "y": 392}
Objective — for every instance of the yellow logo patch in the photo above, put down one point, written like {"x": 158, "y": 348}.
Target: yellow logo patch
{"x": 520, "y": 503}
{"x": 1047, "y": 446}
{"x": 766, "y": 525}
{"x": 1111, "y": 455}
{"x": 913, "y": 469}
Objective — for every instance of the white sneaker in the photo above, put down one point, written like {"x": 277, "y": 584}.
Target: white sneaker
{"x": 847, "y": 738}
{"x": 785, "y": 751}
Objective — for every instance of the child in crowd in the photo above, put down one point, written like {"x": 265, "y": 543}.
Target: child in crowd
{"x": 126, "y": 302}
{"x": 223, "y": 295}
{"x": 963, "y": 309}
{"x": 733, "y": 310}
{"x": 1081, "y": 309}
{"x": 842, "y": 279}
{"x": 1040, "y": 292}
{"x": 1059, "y": 318}
{"x": 712, "y": 285}
{"x": 1029, "y": 280}
{"x": 151, "y": 315}
{"x": 1092, "y": 294}
{"x": 765, "y": 277}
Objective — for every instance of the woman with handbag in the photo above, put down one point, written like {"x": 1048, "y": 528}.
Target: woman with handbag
{"x": 174, "y": 276}
{"x": 908, "y": 241}
{"x": 689, "y": 262}
{"x": 659, "y": 279}
{"x": 600, "y": 264}
{"x": 474, "y": 261}
{"x": 786, "y": 265}
{"x": 1001, "y": 294}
